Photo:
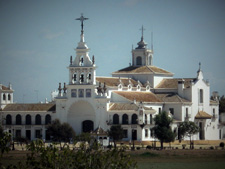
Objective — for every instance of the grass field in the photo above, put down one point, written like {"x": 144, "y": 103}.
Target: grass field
{"x": 179, "y": 159}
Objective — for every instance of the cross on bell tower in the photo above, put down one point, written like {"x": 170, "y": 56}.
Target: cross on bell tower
{"x": 82, "y": 19}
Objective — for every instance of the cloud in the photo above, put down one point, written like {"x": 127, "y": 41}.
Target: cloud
{"x": 47, "y": 34}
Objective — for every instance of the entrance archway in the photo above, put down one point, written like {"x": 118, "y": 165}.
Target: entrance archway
{"x": 87, "y": 126}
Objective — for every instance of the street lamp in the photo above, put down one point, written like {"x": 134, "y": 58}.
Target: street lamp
{"x": 133, "y": 139}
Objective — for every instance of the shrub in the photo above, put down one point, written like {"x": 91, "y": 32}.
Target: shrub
{"x": 211, "y": 148}
{"x": 222, "y": 144}
{"x": 138, "y": 148}
{"x": 149, "y": 147}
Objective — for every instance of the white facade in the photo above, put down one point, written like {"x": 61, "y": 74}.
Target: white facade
{"x": 132, "y": 98}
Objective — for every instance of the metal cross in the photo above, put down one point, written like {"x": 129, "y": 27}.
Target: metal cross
{"x": 142, "y": 30}
{"x": 82, "y": 18}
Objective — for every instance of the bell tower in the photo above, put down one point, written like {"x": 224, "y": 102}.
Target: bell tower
{"x": 82, "y": 69}
{"x": 141, "y": 55}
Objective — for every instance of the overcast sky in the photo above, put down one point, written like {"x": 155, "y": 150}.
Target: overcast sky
{"x": 37, "y": 39}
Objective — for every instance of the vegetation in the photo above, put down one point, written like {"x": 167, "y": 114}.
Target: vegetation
{"x": 5, "y": 139}
{"x": 42, "y": 157}
{"x": 222, "y": 104}
{"x": 60, "y": 132}
{"x": 116, "y": 133}
{"x": 188, "y": 128}
{"x": 222, "y": 145}
{"x": 162, "y": 129}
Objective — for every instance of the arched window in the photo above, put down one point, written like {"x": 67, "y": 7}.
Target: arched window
{"x": 18, "y": 119}
{"x": 4, "y": 97}
{"x": 47, "y": 119}
{"x": 28, "y": 119}
{"x": 9, "y": 97}
{"x": 125, "y": 119}
{"x": 38, "y": 119}
{"x": 8, "y": 119}
{"x": 134, "y": 119}
{"x": 201, "y": 96}
{"x": 139, "y": 60}
{"x": 115, "y": 119}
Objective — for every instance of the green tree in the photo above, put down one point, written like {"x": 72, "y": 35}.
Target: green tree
{"x": 5, "y": 139}
{"x": 188, "y": 128}
{"x": 222, "y": 104}
{"x": 162, "y": 129}
{"x": 116, "y": 133}
{"x": 60, "y": 132}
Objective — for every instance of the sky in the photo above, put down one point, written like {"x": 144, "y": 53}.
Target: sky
{"x": 37, "y": 39}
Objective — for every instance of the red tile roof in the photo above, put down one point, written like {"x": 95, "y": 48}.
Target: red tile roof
{"x": 115, "y": 81}
{"x": 30, "y": 107}
{"x": 173, "y": 98}
{"x": 203, "y": 115}
{"x": 143, "y": 69}
{"x": 173, "y": 83}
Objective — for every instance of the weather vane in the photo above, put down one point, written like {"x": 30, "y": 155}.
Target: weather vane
{"x": 82, "y": 18}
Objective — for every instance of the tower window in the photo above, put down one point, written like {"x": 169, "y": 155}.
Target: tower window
{"x": 139, "y": 60}
{"x": 4, "y": 97}
{"x": 201, "y": 96}
{"x": 81, "y": 78}
{"x": 9, "y": 97}
{"x": 74, "y": 77}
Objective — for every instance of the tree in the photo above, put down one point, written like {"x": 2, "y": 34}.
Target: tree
{"x": 162, "y": 129}
{"x": 5, "y": 139}
{"x": 116, "y": 133}
{"x": 60, "y": 132}
{"x": 188, "y": 128}
{"x": 222, "y": 104}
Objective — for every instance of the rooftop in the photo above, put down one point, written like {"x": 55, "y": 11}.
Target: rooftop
{"x": 143, "y": 69}
{"x": 30, "y": 107}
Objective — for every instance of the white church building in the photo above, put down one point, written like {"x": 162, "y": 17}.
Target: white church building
{"x": 131, "y": 97}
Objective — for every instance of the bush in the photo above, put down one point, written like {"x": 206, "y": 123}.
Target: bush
{"x": 211, "y": 148}
{"x": 138, "y": 148}
{"x": 149, "y": 147}
{"x": 41, "y": 157}
{"x": 222, "y": 144}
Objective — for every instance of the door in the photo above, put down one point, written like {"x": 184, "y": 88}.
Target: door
{"x": 134, "y": 134}
{"x": 201, "y": 132}
{"x": 87, "y": 126}
{"x": 28, "y": 134}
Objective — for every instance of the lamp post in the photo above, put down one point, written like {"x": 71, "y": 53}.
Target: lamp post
{"x": 13, "y": 148}
{"x": 133, "y": 139}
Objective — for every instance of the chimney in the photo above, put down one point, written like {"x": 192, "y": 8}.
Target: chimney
{"x": 180, "y": 87}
